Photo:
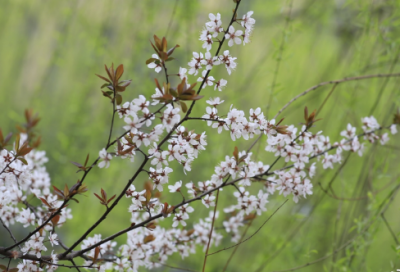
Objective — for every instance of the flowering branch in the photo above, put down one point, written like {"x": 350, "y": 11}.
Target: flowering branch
{"x": 158, "y": 134}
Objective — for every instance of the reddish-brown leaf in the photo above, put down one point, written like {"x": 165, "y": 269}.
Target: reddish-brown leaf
{"x": 103, "y": 194}
{"x": 119, "y": 72}
{"x": 96, "y": 254}
{"x": 148, "y": 239}
{"x": 45, "y": 202}
{"x": 111, "y": 199}
{"x": 103, "y": 78}
{"x": 236, "y": 153}
{"x": 55, "y": 219}
{"x": 170, "y": 51}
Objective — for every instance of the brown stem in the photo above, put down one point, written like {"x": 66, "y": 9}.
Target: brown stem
{"x": 212, "y": 228}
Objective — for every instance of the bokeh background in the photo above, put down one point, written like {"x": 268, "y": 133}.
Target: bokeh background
{"x": 50, "y": 51}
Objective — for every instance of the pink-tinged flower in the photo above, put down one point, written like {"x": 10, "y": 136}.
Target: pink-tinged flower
{"x": 105, "y": 159}
{"x": 233, "y": 36}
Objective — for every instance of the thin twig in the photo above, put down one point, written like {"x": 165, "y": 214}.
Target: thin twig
{"x": 103, "y": 217}
{"x": 176, "y": 267}
{"x": 326, "y": 99}
{"x": 237, "y": 247}
{"x": 390, "y": 229}
{"x": 392, "y": 195}
{"x": 9, "y": 231}
{"x": 113, "y": 117}
{"x": 4, "y": 169}
{"x": 76, "y": 267}
{"x": 378, "y": 98}
{"x": 334, "y": 82}
{"x": 279, "y": 58}
{"x": 172, "y": 17}
{"x": 251, "y": 236}
{"x": 211, "y": 231}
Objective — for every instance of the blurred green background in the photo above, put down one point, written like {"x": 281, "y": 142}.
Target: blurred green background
{"x": 50, "y": 51}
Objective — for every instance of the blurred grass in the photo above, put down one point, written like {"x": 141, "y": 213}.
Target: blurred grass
{"x": 50, "y": 51}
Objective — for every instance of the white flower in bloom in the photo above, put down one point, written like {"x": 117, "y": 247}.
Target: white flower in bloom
{"x": 124, "y": 110}
{"x": 133, "y": 123}
{"x": 140, "y": 104}
{"x": 26, "y": 217}
{"x": 369, "y": 124}
{"x": 185, "y": 209}
{"x": 215, "y": 101}
{"x": 176, "y": 187}
{"x": 208, "y": 81}
{"x": 180, "y": 218}
{"x": 233, "y": 36}
{"x": 195, "y": 63}
{"x": 209, "y": 61}
{"x": 152, "y": 65}
{"x": 158, "y": 94}
{"x": 171, "y": 117}
{"x": 105, "y": 159}
{"x": 53, "y": 239}
{"x": 182, "y": 73}
{"x": 212, "y": 113}
{"x": 247, "y": 21}
{"x": 208, "y": 43}
{"x": 228, "y": 60}
{"x": 159, "y": 158}
{"x": 215, "y": 20}
{"x": 349, "y": 133}
{"x": 384, "y": 138}
{"x": 393, "y": 129}
{"x": 208, "y": 201}
{"x": 122, "y": 264}
{"x": 221, "y": 83}
{"x": 246, "y": 36}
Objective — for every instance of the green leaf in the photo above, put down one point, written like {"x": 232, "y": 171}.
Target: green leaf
{"x": 118, "y": 98}
{"x": 150, "y": 60}
{"x": 23, "y": 160}
{"x": 184, "y": 107}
